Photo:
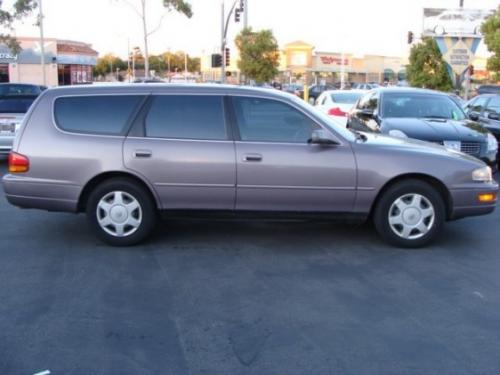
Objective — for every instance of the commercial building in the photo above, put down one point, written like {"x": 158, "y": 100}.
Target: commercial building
{"x": 300, "y": 61}
{"x": 66, "y": 62}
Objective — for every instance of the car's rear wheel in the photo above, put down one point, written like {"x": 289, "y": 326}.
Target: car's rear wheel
{"x": 409, "y": 214}
{"x": 121, "y": 212}
{"x": 439, "y": 30}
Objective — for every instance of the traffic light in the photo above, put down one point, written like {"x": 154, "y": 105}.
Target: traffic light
{"x": 471, "y": 70}
{"x": 228, "y": 56}
{"x": 242, "y": 6}
{"x": 216, "y": 60}
{"x": 237, "y": 15}
{"x": 410, "y": 37}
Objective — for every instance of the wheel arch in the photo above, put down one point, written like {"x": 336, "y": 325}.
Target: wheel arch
{"x": 98, "y": 179}
{"x": 431, "y": 180}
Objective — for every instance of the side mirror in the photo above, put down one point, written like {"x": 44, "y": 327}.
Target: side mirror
{"x": 322, "y": 137}
{"x": 494, "y": 116}
{"x": 368, "y": 113}
{"x": 474, "y": 116}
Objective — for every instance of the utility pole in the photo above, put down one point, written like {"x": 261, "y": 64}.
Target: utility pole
{"x": 185, "y": 67}
{"x": 128, "y": 59}
{"x": 223, "y": 45}
{"x": 224, "y": 28}
{"x": 245, "y": 14}
{"x": 42, "y": 43}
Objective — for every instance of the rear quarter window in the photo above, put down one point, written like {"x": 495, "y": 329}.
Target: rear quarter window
{"x": 98, "y": 114}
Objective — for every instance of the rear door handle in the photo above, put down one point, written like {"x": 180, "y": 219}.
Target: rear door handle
{"x": 252, "y": 157}
{"x": 142, "y": 154}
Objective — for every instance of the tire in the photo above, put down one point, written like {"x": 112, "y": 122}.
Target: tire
{"x": 439, "y": 30}
{"x": 409, "y": 214}
{"x": 121, "y": 212}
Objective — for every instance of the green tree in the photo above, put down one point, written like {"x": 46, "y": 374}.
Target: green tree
{"x": 427, "y": 67}
{"x": 108, "y": 62}
{"x": 20, "y": 9}
{"x": 491, "y": 31}
{"x": 180, "y": 6}
{"x": 259, "y": 55}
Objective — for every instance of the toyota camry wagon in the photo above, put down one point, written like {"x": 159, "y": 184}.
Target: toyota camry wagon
{"x": 124, "y": 154}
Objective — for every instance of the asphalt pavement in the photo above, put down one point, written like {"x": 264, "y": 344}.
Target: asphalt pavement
{"x": 206, "y": 297}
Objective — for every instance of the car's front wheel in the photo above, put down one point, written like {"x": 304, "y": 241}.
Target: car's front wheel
{"x": 409, "y": 214}
{"x": 121, "y": 212}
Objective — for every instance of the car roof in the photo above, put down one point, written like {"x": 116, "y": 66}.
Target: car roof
{"x": 19, "y": 84}
{"x": 345, "y": 91}
{"x": 146, "y": 88}
{"x": 404, "y": 90}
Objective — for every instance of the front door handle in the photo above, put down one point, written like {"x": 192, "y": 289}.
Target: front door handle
{"x": 142, "y": 154}
{"x": 252, "y": 157}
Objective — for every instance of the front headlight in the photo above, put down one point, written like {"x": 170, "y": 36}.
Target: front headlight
{"x": 492, "y": 143}
{"x": 482, "y": 175}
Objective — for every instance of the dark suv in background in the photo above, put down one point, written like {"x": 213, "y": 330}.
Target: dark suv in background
{"x": 426, "y": 115}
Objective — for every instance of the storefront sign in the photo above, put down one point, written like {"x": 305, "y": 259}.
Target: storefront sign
{"x": 459, "y": 57}
{"x": 7, "y": 56}
{"x": 332, "y": 60}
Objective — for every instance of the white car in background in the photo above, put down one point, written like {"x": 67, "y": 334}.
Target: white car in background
{"x": 338, "y": 103}
{"x": 457, "y": 22}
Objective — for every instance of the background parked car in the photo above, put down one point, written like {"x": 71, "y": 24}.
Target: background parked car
{"x": 485, "y": 109}
{"x": 338, "y": 103}
{"x": 15, "y": 100}
{"x": 315, "y": 91}
{"x": 293, "y": 88}
{"x": 365, "y": 86}
{"x": 488, "y": 89}
{"x": 426, "y": 115}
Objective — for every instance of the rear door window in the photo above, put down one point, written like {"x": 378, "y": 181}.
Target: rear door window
{"x": 186, "y": 117}
{"x": 97, "y": 114}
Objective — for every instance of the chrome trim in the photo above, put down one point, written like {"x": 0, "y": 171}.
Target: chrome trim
{"x": 297, "y": 187}
{"x": 180, "y": 184}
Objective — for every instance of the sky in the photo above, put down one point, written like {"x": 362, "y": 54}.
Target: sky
{"x": 356, "y": 26}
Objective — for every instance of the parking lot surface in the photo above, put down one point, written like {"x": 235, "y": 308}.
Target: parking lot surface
{"x": 207, "y": 297}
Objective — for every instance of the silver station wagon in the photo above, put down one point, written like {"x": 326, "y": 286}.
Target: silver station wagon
{"x": 123, "y": 154}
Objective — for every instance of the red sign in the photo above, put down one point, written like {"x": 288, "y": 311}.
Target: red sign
{"x": 328, "y": 60}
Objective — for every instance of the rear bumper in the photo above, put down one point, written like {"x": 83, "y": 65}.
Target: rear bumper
{"x": 466, "y": 203}
{"x": 6, "y": 144}
{"x": 26, "y": 192}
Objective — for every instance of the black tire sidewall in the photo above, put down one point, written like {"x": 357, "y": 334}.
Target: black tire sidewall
{"x": 149, "y": 212}
{"x": 381, "y": 213}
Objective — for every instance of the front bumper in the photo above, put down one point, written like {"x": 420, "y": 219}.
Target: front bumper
{"x": 466, "y": 202}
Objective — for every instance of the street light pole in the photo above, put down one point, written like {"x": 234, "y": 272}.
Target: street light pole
{"x": 128, "y": 59}
{"x": 223, "y": 45}
{"x": 42, "y": 43}
{"x": 224, "y": 27}
{"x": 245, "y": 14}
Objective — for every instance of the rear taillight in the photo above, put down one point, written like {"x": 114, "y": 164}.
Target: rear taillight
{"x": 337, "y": 112}
{"x": 18, "y": 163}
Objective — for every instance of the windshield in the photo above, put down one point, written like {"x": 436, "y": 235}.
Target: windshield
{"x": 347, "y": 98}
{"x": 411, "y": 105}
{"x": 16, "y": 105}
